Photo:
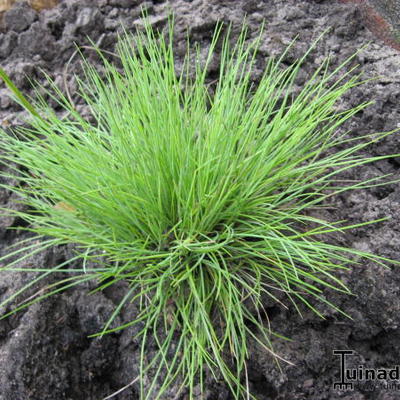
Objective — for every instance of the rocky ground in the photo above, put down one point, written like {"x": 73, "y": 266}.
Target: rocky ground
{"x": 45, "y": 353}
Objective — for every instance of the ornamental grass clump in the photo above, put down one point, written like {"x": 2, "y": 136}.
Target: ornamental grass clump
{"x": 200, "y": 200}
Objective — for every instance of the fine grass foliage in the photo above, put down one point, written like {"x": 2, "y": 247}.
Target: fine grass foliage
{"x": 200, "y": 200}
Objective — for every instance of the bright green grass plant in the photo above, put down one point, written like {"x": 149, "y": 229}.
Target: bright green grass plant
{"x": 201, "y": 201}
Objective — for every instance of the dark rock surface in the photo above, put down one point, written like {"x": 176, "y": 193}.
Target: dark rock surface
{"x": 45, "y": 353}
{"x": 382, "y": 17}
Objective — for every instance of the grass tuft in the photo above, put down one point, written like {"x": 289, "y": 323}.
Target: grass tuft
{"x": 200, "y": 202}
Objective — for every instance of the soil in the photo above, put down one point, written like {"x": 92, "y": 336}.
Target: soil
{"x": 45, "y": 352}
